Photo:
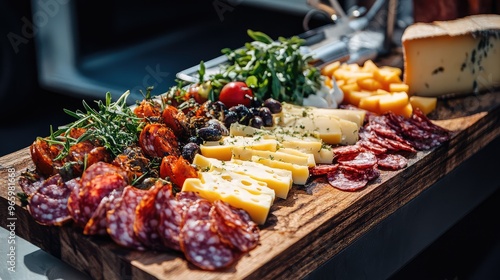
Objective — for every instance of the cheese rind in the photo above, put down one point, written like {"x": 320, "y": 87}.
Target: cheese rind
{"x": 452, "y": 57}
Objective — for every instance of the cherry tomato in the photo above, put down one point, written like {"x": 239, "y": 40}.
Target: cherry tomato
{"x": 199, "y": 91}
{"x": 235, "y": 93}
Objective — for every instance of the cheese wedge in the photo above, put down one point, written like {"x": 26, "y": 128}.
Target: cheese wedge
{"x": 238, "y": 190}
{"x": 300, "y": 173}
{"x": 452, "y": 57}
{"x": 280, "y": 180}
{"x": 222, "y": 149}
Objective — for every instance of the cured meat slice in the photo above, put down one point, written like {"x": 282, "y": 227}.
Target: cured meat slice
{"x": 74, "y": 203}
{"x": 362, "y": 161}
{"x": 171, "y": 212}
{"x": 372, "y": 147}
{"x": 346, "y": 151}
{"x": 120, "y": 219}
{"x": 48, "y": 204}
{"x": 235, "y": 227}
{"x": 201, "y": 245}
{"x": 97, "y": 225}
{"x": 48, "y": 211}
{"x": 342, "y": 181}
{"x": 101, "y": 168}
{"x": 323, "y": 169}
{"x": 95, "y": 190}
{"x": 158, "y": 140}
{"x": 147, "y": 219}
{"x": 392, "y": 161}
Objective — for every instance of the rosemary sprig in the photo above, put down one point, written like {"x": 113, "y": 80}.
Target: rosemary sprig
{"x": 112, "y": 125}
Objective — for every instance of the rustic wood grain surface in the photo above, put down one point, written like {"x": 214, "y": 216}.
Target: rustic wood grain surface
{"x": 302, "y": 232}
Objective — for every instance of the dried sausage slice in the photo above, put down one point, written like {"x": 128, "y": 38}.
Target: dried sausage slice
{"x": 201, "y": 245}
{"x": 340, "y": 180}
{"x": 120, "y": 219}
{"x": 362, "y": 161}
{"x": 97, "y": 224}
{"x": 147, "y": 219}
{"x": 392, "y": 161}
{"x": 235, "y": 227}
{"x": 48, "y": 211}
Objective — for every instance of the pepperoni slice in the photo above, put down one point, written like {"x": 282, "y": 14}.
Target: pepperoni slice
{"x": 120, "y": 219}
{"x": 346, "y": 150}
{"x": 392, "y": 161}
{"x": 201, "y": 245}
{"x": 323, "y": 169}
{"x": 235, "y": 227}
{"x": 147, "y": 219}
{"x": 362, "y": 161}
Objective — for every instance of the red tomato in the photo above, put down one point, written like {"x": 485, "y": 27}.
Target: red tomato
{"x": 235, "y": 93}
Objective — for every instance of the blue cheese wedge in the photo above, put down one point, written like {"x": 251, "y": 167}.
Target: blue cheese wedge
{"x": 452, "y": 57}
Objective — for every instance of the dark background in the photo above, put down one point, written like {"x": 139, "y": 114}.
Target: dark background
{"x": 469, "y": 250}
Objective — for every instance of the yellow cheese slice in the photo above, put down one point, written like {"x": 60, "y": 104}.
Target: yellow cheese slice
{"x": 452, "y": 57}
{"x": 280, "y": 180}
{"x": 238, "y": 190}
{"x": 222, "y": 149}
{"x": 300, "y": 173}
{"x": 244, "y": 153}
{"x": 356, "y": 116}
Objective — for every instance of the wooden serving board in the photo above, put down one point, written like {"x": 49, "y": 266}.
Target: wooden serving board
{"x": 302, "y": 232}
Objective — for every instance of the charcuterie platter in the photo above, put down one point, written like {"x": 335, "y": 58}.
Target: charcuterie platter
{"x": 304, "y": 227}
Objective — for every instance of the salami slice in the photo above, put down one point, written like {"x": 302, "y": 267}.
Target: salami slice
{"x": 322, "y": 169}
{"x": 201, "y": 245}
{"x": 97, "y": 225}
{"x": 147, "y": 219}
{"x": 95, "y": 190}
{"x": 392, "y": 161}
{"x": 47, "y": 210}
{"x": 120, "y": 219}
{"x": 74, "y": 203}
{"x": 372, "y": 147}
{"x": 339, "y": 180}
{"x": 346, "y": 151}
{"x": 101, "y": 168}
{"x": 235, "y": 227}
{"x": 361, "y": 161}
{"x": 171, "y": 212}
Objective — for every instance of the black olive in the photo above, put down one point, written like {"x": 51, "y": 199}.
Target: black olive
{"x": 254, "y": 111}
{"x": 218, "y": 125}
{"x": 190, "y": 150}
{"x": 230, "y": 118}
{"x": 255, "y": 103}
{"x": 273, "y": 105}
{"x": 209, "y": 133}
{"x": 256, "y": 122}
{"x": 196, "y": 140}
{"x": 219, "y": 106}
{"x": 266, "y": 115}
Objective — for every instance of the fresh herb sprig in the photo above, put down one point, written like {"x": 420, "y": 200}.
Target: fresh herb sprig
{"x": 276, "y": 69}
{"x": 112, "y": 125}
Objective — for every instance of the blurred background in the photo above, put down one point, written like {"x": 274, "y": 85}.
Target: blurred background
{"x": 56, "y": 53}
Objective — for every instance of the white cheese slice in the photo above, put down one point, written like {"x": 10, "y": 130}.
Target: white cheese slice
{"x": 452, "y": 57}
{"x": 244, "y": 153}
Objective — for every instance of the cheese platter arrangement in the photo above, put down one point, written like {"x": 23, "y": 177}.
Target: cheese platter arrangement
{"x": 265, "y": 169}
